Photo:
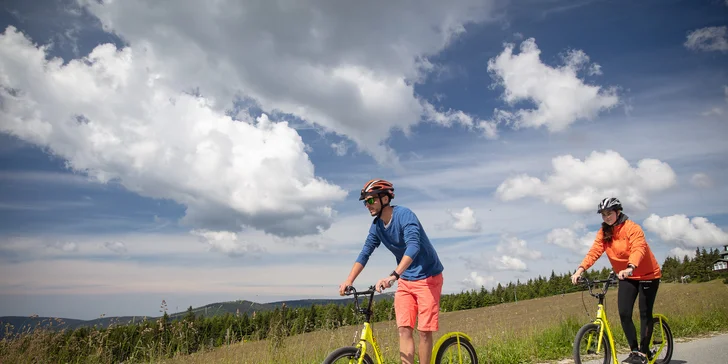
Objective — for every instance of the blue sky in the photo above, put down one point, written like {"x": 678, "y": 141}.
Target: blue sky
{"x": 216, "y": 154}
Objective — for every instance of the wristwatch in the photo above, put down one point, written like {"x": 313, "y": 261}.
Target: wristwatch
{"x": 395, "y": 274}
{"x": 630, "y": 265}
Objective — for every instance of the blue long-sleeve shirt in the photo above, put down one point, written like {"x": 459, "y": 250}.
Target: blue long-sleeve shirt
{"x": 403, "y": 236}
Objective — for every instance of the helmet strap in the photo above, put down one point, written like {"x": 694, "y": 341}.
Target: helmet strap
{"x": 381, "y": 209}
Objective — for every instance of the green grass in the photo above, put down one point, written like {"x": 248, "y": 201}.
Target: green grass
{"x": 534, "y": 331}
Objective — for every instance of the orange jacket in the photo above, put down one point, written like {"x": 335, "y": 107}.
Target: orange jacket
{"x": 628, "y": 246}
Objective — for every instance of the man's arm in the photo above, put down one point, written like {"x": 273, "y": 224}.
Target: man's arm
{"x": 355, "y": 271}
{"x": 370, "y": 244}
{"x": 411, "y": 237}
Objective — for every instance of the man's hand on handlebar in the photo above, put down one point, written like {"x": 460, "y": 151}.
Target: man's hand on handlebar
{"x": 384, "y": 283}
{"x": 343, "y": 287}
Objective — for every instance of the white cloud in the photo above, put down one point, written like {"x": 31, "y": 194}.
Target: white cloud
{"x": 115, "y": 116}
{"x": 505, "y": 262}
{"x": 490, "y": 263}
{"x": 349, "y": 67}
{"x": 595, "y": 69}
{"x": 517, "y": 247}
{"x": 575, "y": 238}
{"x": 340, "y": 148}
{"x": 560, "y": 96}
{"x": 227, "y": 242}
{"x": 580, "y": 185}
{"x": 708, "y": 39}
{"x": 463, "y": 220}
{"x": 476, "y": 281}
{"x": 685, "y": 232}
{"x": 680, "y": 253}
{"x": 701, "y": 180}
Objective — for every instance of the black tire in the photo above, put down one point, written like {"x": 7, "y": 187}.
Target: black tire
{"x": 669, "y": 345}
{"x": 465, "y": 344}
{"x": 584, "y": 331}
{"x": 347, "y": 352}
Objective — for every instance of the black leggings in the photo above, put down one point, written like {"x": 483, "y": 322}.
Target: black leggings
{"x": 628, "y": 290}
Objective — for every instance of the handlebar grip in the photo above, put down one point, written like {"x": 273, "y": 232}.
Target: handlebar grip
{"x": 349, "y": 290}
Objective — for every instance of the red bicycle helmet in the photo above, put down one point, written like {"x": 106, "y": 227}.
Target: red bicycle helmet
{"x": 376, "y": 187}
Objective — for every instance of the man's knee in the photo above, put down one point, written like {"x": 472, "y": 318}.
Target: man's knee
{"x": 405, "y": 331}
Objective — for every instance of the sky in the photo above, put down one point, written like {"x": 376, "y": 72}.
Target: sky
{"x": 198, "y": 152}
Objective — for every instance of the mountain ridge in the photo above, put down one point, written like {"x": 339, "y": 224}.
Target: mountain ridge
{"x": 24, "y": 324}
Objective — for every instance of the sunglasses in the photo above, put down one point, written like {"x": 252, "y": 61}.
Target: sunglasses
{"x": 369, "y": 201}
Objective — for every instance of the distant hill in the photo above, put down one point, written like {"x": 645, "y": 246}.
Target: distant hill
{"x": 29, "y": 323}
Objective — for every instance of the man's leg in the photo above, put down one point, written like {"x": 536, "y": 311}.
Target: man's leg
{"x": 428, "y": 309}
{"x": 425, "y": 346}
{"x": 405, "y": 311}
{"x": 407, "y": 345}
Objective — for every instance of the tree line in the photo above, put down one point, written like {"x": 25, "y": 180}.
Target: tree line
{"x": 165, "y": 337}
{"x": 699, "y": 268}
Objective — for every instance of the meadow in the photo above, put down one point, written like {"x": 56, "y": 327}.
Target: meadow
{"x": 539, "y": 330}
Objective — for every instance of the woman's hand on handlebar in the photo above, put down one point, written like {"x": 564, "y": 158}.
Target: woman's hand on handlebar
{"x": 625, "y": 273}
{"x": 575, "y": 277}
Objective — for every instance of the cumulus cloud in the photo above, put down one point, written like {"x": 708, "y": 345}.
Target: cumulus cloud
{"x": 516, "y": 247}
{"x": 680, "y": 253}
{"x": 575, "y": 238}
{"x": 708, "y": 39}
{"x": 686, "y": 232}
{"x": 227, "y": 242}
{"x": 490, "y": 263}
{"x": 117, "y": 115}
{"x": 510, "y": 256}
{"x": 348, "y": 67}
{"x": 580, "y": 185}
{"x": 476, "y": 281}
{"x": 463, "y": 220}
{"x": 701, "y": 180}
{"x": 560, "y": 96}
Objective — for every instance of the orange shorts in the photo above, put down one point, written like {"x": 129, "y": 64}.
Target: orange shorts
{"x": 418, "y": 300}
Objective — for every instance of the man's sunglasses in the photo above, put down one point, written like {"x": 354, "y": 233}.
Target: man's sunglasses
{"x": 369, "y": 201}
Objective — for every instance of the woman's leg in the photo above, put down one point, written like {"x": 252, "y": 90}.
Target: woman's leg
{"x": 626, "y": 296}
{"x": 648, "y": 293}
